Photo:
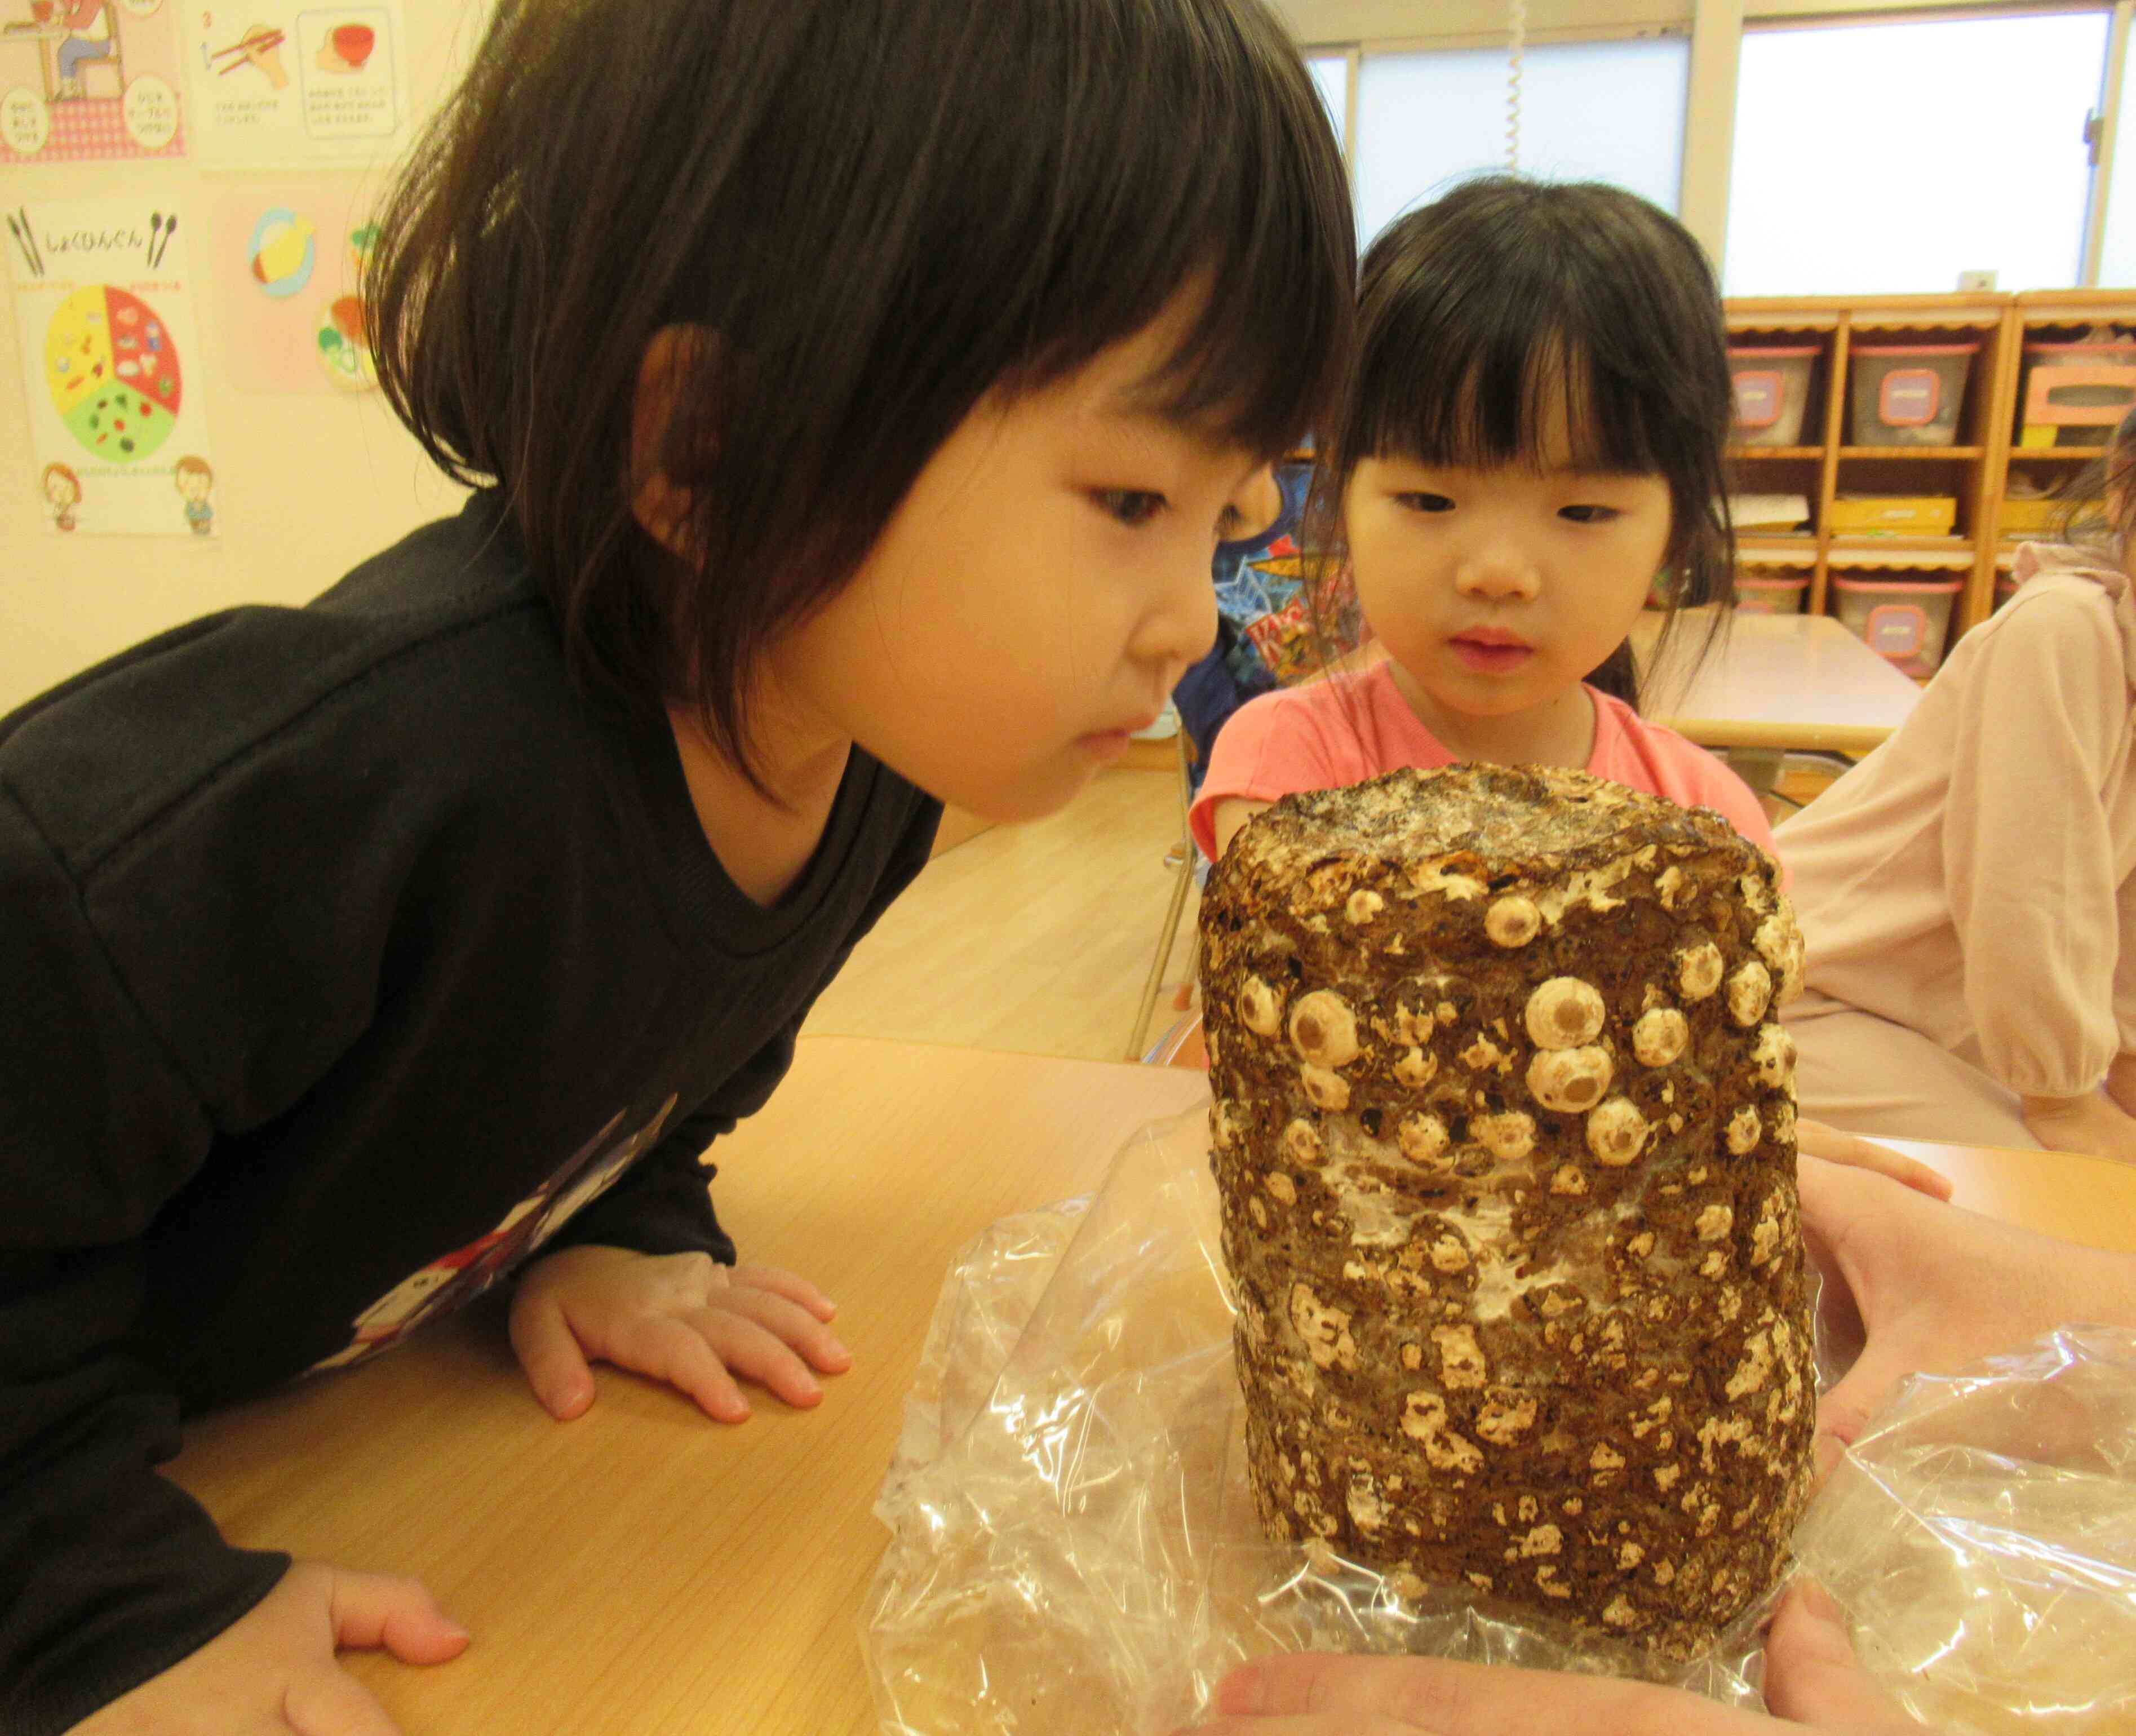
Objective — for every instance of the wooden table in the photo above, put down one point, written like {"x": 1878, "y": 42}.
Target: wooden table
{"x": 645, "y": 1570}
{"x": 1777, "y": 684}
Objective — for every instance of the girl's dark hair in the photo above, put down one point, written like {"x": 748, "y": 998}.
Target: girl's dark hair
{"x": 1481, "y": 313}
{"x": 865, "y": 215}
{"x": 2086, "y": 517}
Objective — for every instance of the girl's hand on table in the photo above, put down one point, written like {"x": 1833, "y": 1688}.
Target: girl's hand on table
{"x": 1813, "y": 1139}
{"x": 274, "y": 1671}
{"x": 682, "y": 1318}
{"x": 1812, "y": 1681}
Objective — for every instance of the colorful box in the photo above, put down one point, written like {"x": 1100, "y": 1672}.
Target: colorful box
{"x": 1771, "y": 391}
{"x": 1910, "y": 394}
{"x": 1904, "y": 621}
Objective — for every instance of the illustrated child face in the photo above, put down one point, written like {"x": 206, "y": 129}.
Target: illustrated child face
{"x": 194, "y": 484}
{"x": 58, "y": 490}
{"x": 1495, "y": 589}
{"x": 1038, "y": 592}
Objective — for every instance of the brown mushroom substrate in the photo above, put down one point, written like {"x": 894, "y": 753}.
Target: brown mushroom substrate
{"x": 1503, "y": 1127}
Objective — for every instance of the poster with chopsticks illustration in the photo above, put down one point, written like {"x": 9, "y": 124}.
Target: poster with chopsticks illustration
{"x": 287, "y": 269}
{"x": 292, "y": 81}
{"x": 104, "y": 316}
{"x": 90, "y": 80}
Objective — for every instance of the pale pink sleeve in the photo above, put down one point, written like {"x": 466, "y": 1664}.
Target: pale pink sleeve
{"x": 2124, "y": 968}
{"x": 1270, "y": 747}
{"x": 2028, "y": 856}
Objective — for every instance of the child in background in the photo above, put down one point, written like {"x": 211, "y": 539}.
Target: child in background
{"x": 1535, "y": 426}
{"x": 1968, "y": 893}
{"x": 839, "y": 449}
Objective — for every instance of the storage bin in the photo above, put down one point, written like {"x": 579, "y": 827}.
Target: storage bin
{"x": 1771, "y": 593}
{"x": 1910, "y": 394}
{"x": 1894, "y": 515}
{"x": 2028, "y": 516}
{"x": 1906, "y": 620}
{"x": 1771, "y": 391}
{"x": 2074, "y": 393}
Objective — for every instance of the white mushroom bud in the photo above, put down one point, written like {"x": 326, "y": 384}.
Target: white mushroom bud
{"x": 1324, "y": 1029}
{"x": 1512, "y": 922}
{"x": 1669, "y": 887}
{"x": 1301, "y": 1139}
{"x": 1660, "y": 1036}
{"x": 1749, "y": 992}
{"x": 1364, "y": 905}
{"x": 1423, "y": 1138}
{"x": 1417, "y": 1068}
{"x": 1260, "y": 1007}
{"x": 1745, "y": 1130}
{"x": 1616, "y": 1132}
{"x": 1508, "y": 1137}
{"x": 1564, "y": 1013}
{"x": 1328, "y": 1089}
{"x": 1780, "y": 943}
{"x": 1774, "y": 1056}
{"x": 1570, "y": 1080}
{"x": 1698, "y": 970}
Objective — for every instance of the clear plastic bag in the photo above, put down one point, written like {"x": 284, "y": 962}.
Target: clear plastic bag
{"x": 1075, "y": 1551}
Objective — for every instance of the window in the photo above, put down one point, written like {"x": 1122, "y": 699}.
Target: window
{"x": 1331, "y": 72}
{"x": 1607, "y": 111}
{"x": 1886, "y": 159}
{"x": 2117, "y": 252}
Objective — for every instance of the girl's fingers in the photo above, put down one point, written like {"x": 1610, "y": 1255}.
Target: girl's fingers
{"x": 549, "y": 1353}
{"x": 788, "y": 1321}
{"x": 371, "y": 1610}
{"x": 748, "y": 1347}
{"x": 328, "y": 1701}
{"x": 1816, "y": 1139}
{"x": 673, "y": 1351}
{"x": 781, "y": 1282}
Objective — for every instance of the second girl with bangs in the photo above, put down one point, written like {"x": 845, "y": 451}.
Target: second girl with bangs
{"x": 1534, "y": 432}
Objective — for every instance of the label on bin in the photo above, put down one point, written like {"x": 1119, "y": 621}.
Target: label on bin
{"x": 1758, "y": 395}
{"x": 1909, "y": 396}
{"x": 1897, "y": 629}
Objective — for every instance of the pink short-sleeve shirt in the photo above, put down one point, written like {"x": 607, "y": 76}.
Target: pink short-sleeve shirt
{"x": 1346, "y": 729}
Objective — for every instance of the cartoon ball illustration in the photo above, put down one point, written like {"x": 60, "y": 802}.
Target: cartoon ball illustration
{"x": 283, "y": 253}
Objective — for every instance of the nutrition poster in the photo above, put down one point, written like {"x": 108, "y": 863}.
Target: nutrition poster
{"x": 288, "y": 265}
{"x": 287, "y": 81}
{"x": 90, "y": 80}
{"x": 105, "y": 321}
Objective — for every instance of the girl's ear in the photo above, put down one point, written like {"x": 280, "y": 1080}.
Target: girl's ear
{"x": 673, "y": 368}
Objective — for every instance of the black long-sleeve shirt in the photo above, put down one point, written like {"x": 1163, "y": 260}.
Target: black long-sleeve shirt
{"x": 345, "y": 953}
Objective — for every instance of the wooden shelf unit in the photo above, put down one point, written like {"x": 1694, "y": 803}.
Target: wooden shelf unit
{"x": 1976, "y": 470}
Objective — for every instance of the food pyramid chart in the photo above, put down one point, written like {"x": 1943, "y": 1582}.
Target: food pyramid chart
{"x": 114, "y": 373}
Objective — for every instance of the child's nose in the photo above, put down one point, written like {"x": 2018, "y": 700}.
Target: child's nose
{"x": 1179, "y": 629}
{"x": 1497, "y": 571}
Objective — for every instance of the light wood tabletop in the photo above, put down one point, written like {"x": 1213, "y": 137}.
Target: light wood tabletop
{"x": 643, "y": 1569}
{"x": 1777, "y": 682}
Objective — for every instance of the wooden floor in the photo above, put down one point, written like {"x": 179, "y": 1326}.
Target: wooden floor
{"x": 1037, "y": 938}
{"x": 1033, "y": 938}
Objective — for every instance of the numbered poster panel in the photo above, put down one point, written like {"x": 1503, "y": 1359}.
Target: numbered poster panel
{"x": 110, "y": 352}
{"x": 90, "y": 80}
{"x": 292, "y": 81}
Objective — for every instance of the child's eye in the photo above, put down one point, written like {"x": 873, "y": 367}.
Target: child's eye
{"x": 1422, "y": 502}
{"x": 1588, "y": 514}
{"x": 1132, "y": 506}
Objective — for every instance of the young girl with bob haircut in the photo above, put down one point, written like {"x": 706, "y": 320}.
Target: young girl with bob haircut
{"x": 1535, "y": 427}
{"x": 1968, "y": 893}
{"x": 854, "y": 393}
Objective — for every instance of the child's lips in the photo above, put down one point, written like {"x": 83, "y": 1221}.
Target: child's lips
{"x": 1492, "y": 650}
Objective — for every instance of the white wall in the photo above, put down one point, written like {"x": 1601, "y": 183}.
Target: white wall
{"x": 306, "y": 486}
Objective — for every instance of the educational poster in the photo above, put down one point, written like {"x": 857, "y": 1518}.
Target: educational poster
{"x": 104, "y": 316}
{"x": 288, "y": 81}
{"x": 90, "y": 80}
{"x": 287, "y": 268}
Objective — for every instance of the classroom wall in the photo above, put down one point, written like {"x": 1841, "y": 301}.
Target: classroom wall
{"x": 306, "y": 485}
